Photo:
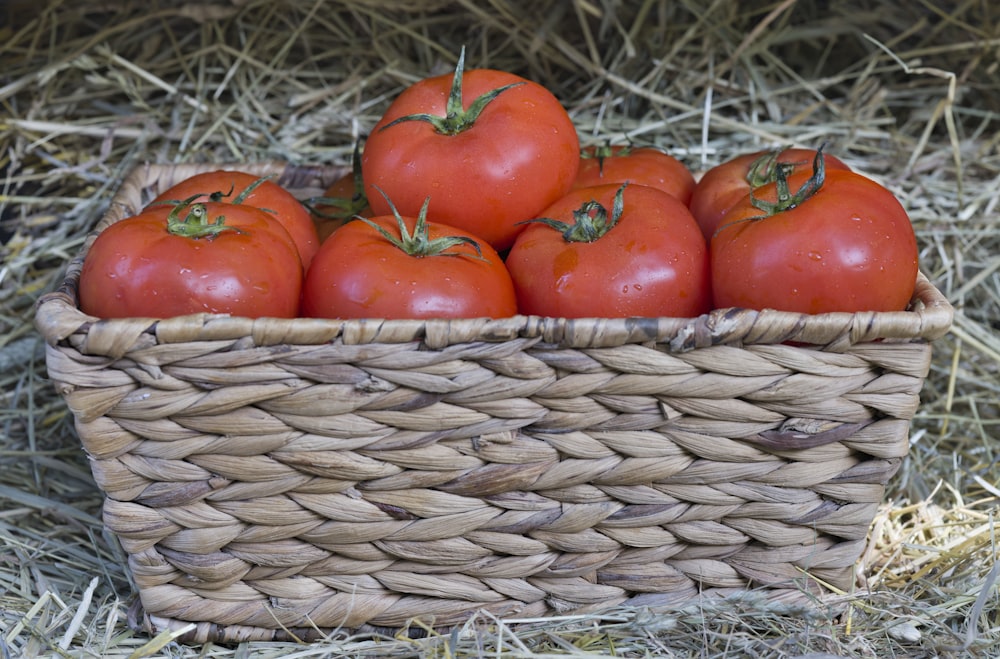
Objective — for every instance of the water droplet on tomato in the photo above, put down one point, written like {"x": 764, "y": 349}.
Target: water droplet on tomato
{"x": 815, "y": 256}
{"x": 635, "y": 287}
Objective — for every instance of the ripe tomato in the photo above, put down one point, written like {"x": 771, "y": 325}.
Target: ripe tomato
{"x": 242, "y": 188}
{"x": 205, "y": 257}
{"x": 490, "y": 147}
{"x": 728, "y": 183}
{"x": 600, "y": 165}
{"x": 836, "y": 241}
{"x": 391, "y": 266}
{"x": 612, "y": 251}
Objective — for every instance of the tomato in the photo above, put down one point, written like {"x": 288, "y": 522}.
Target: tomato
{"x": 835, "y": 241}
{"x": 391, "y": 266}
{"x": 243, "y": 188}
{"x": 206, "y": 257}
{"x": 627, "y": 164}
{"x": 728, "y": 183}
{"x": 490, "y": 148}
{"x": 612, "y": 251}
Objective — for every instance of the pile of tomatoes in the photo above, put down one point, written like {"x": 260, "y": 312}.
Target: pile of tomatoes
{"x": 472, "y": 198}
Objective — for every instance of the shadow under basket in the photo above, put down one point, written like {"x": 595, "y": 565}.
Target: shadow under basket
{"x": 273, "y": 479}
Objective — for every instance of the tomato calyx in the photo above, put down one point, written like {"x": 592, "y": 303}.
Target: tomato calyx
{"x": 190, "y": 220}
{"x": 347, "y": 207}
{"x": 766, "y": 168}
{"x": 419, "y": 243}
{"x": 590, "y": 221}
{"x": 602, "y": 152}
{"x": 218, "y": 195}
{"x": 786, "y": 199}
{"x": 456, "y": 118}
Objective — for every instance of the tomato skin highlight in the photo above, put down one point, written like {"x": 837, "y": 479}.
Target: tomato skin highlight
{"x": 639, "y": 165}
{"x": 135, "y": 268}
{"x": 227, "y": 185}
{"x": 849, "y": 247}
{"x": 357, "y": 273}
{"x": 653, "y": 262}
{"x": 521, "y": 154}
{"x": 726, "y": 184}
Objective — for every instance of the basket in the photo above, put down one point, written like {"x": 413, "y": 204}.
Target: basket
{"x": 273, "y": 479}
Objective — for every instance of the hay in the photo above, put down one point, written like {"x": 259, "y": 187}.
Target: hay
{"x": 906, "y": 92}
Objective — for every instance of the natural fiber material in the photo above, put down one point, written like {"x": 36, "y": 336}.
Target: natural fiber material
{"x": 271, "y": 477}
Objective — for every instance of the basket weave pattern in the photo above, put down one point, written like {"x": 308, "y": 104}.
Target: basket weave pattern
{"x": 268, "y": 477}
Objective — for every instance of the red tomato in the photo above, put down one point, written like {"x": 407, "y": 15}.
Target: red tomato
{"x": 490, "y": 148}
{"x": 239, "y": 188}
{"x": 402, "y": 267}
{"x": 846, "y": 246}
{"x": 600, "y": 258}
{"x": 728, "y": 183}
{"x": 601, "y": 165}
{"x": 244, "y": 264}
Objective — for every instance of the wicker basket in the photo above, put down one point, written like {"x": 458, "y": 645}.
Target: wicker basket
{"x": 271, "y": 479}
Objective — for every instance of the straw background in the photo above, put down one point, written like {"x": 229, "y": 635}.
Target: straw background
{"x": 906, "y": 92}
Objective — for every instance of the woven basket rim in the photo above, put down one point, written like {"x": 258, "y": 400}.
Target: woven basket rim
{"x": 58, "y": 316}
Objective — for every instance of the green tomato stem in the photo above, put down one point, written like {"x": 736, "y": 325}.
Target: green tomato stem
{"x": 456, "y": 119}
{"x": 419, "y": 244}
{"x": 241, "y": 197}
{"x": 764, "y": 169}
{"x": 786, "y": 199}
{"x": 348, "y": 207}
{"x": 195, "y": 223}
{"x": 602, "y": 152}
{"x": 219, "y": 196}
{"x": 590, "y": 222}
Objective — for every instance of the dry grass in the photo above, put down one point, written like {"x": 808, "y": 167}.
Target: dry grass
{"x": 905, "y": 91}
